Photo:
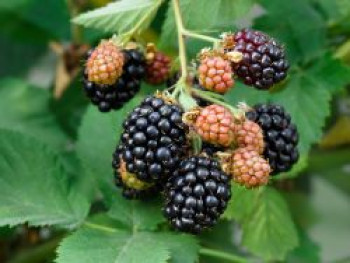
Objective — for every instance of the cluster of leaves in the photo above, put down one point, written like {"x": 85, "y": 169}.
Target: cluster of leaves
{"x": 52, "y": 169}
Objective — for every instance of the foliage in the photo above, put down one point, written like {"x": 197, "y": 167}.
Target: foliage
{"x": 55, "y": 155}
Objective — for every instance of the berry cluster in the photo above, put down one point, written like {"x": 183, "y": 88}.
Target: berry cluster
{"x": 186, "y": 142}
{"x": 280, "y": 135}
{"x": 112, "y": 76}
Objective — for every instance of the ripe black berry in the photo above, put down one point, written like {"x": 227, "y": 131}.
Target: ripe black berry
{"x": 280, "y": 135}
{"x": 196, "y": 194}
{"x": 153, "y": 140}
{"x": 264, "y": 63}
{"x": 108, "y": 97}
{"x": 132, "y": 188}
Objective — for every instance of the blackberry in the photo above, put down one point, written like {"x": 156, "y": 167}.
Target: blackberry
{"x": 132, "y": 188}
{"x": 264, "y": 63}
{"x": 280, "y": 135}
{"x": 108, "y": 97}
{"x": 196, "y": 194}
{"x": 154, "y": 139}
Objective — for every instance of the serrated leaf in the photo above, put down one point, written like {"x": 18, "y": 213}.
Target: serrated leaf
{"x": 307, "y": 252}
{"x": 241, "y": 203}
{"x": 136, "y": 214}
{"x": 26, "y": 109}
{"x": 309, "y": 89}
{"x": 268, "y": 229}
{"x": 112, "y": 245}
{"x": 269, "y": 232}
{"x": 212, "y": 15}
{"x": 34, "y": 187}
{"x": 97, "y": 139}
{"x": 121, "y": 16}
{"x": 183, "y": 248}
{"x": 297, "y": 25}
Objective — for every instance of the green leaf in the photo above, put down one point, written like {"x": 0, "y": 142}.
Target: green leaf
{"x": 122, "y": 16}
{"x": 98, "y": 137}
{"x": 111, "y": 245}
{"x": 297, "y": 25}
{"x": 34, "y": 187}
{"x": 21, "y": 56}
{"x": 307, "y": 252}
{"x": 136, "y": 214}
{"x": 268, "y": 229}
{"x": 183, "y": 248}
{"x": 309, "y": 89}
{"x": 212, "y": 15}
{"x": 26, "y": 109}
{"x": 269, "y": 232}
{"x": 52, "y": 18}
{"x": 242, "y": 203}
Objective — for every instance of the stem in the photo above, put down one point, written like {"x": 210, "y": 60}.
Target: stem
{"x": 221, "y": 255}
{"x": 191, "y": 34}
{"x": 100, "y": 227}
{"x": 180, "y": 37}
{"x": 204, "y": 95}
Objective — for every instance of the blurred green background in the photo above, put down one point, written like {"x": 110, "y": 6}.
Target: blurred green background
{"x": 40, "y": 94}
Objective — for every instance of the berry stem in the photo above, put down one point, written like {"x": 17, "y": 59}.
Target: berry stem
{"x": 181, "y": 40}
{"x": 222, "y": 255}
{"x": 239, "y": 114}
{"x": 191, "y": 34}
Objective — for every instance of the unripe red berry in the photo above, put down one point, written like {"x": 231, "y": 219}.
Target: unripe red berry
{"x": 249, "y": 134}
{"x": 215, "y": 74}
{"x": 248, "y": 168}
{"x": 215, "y": 124}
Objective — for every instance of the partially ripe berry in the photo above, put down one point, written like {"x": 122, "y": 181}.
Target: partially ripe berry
{"x": 263, "y": 64}
{"x": 158, "y": 68}
{"x": 249, "y": 134}
{"x": 248, "y": 168}
{"x": 215, "y": 124}
{"x": 215, "y": 74}
{"x": 105, "y": 64}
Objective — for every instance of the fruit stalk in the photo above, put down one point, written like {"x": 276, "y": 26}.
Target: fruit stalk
{"x": 181, "y": 40}
{"x": 221, "y": 255}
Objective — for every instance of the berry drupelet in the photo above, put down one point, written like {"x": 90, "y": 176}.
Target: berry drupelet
{"x": 114, "y": 96}
{"x": 196, "y": 194}
{"x": 280, "y": 135}
{"x": 264, "y": 63}
{"x": 154, "y": 139}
